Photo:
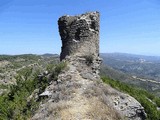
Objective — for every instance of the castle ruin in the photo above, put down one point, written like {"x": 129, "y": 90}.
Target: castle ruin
{"x": 79, "y": 34}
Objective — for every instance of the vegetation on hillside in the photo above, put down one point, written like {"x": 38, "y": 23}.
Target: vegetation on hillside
{"x": 11, "y": 66}
{"x": 147, "y": 100}
{"x": 19, "y": 103}
{"x": 127, "y": 78}
{"x": 25, "y": 57}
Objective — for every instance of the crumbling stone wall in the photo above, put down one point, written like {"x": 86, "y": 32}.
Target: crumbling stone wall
{"x": 79, "y": 34}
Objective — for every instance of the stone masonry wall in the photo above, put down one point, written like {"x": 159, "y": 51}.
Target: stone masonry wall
{"x": 79, "y": 34}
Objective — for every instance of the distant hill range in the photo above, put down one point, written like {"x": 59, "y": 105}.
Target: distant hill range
{"x": 138, "y": 70}
{"x": 131, "y": 57}
{"x": 142, "y": 71}
{"x": 50, "y": 55}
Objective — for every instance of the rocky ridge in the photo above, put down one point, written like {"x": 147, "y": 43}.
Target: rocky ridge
{"x": 79, "y": 93}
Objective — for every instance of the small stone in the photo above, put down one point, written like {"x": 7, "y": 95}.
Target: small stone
{"x": 115, "y": 102}
{"x": 46, "y": 93}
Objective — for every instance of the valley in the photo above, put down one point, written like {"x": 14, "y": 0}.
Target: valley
{"x": 138, "y": 70}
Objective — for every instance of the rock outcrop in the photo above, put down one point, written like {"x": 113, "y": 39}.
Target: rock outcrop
{"x": 79, "y": 93}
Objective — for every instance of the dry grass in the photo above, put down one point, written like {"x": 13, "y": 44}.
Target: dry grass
{"x": 100, "y": 111}
{"x": 54, "y": 109}
{"x": 82, "y": 108}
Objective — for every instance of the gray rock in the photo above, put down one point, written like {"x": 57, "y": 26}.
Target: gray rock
{"x": 87, "y": 75}
{"x": 46, "y": 93}
{"x": 126, "y": 105}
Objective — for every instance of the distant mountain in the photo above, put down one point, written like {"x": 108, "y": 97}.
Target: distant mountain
{"x": 131, "y": 57}
{"x": 137, "y": 65}
{"x": 139, "y": 70}
{"x": 50, "y": 55}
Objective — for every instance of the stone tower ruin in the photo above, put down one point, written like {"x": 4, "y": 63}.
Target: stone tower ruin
{"x": 78, "y": 92}
{"x": 79, "y": 34}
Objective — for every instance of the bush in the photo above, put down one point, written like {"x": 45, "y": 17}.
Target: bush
{"x": 58, "y": 68}
{"x": 89, "y": 59}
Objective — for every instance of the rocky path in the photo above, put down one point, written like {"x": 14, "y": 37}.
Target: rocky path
{"x": 77, "y": 98}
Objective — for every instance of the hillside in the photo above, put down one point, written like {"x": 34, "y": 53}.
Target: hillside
{"x": 138, "y": 70}
{"x": 138, "y": 65}
{"x": 12, "y": 66}
{"x": 37, "y": 95}
{"x": 20, "y": 99}
{"x": 41, "y": 95}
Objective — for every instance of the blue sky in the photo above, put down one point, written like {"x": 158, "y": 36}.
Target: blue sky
{"x": 128, "y": 26}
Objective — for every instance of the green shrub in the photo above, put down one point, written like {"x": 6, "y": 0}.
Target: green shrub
{"x": 157, "y": 101}
{"x": 14, "y": 105}
{"x": 2, "y": 86}
{"x": 58, "y": 68}
{"x": 89, "y": 59}
{"x": 50, "y": 67}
